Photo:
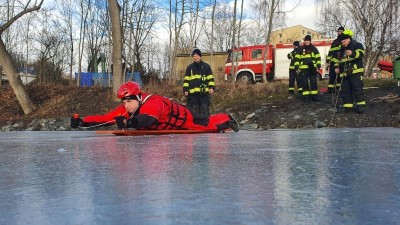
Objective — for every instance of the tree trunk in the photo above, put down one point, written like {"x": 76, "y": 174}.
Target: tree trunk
{"x": 212, "y": 33}
{"x": 116, "y": 31}
{"x": 273, "y": 5}
{"x": 233, "y": 69}
{"x": 14, "y": 80}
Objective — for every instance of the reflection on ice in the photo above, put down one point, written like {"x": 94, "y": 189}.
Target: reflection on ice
{"x": 325, "y": 176}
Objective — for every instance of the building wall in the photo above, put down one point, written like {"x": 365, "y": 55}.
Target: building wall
{"x": 217, "y": 64}
{"x": 295, "y": 33}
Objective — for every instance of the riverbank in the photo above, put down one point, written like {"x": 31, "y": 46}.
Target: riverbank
{"x": 260, "y": 106}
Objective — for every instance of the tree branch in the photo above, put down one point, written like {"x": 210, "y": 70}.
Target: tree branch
{"x": 25, "y": 11}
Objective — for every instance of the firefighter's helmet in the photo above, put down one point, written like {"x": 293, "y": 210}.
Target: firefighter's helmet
{"x": 345, "y": 35}
{"x": 348, "y": 33}
{"x": 127, "y": 89}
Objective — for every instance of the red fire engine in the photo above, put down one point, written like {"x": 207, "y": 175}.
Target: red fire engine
{"x": 248, "y": 61}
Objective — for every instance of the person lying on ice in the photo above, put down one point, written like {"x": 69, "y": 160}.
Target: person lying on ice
{"x": 141, "y": 110}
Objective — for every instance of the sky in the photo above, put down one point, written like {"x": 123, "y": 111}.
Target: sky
{"x": 305, "y": 14}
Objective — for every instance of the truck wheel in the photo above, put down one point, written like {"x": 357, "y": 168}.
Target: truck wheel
{"x": 245, "y": 78}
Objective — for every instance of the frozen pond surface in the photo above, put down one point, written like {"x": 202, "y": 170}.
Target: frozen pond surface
{"x": 321, "y": 176}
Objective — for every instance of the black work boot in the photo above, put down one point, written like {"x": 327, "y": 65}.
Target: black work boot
{"x": 306, "y": 98}
{"x": 341, "y": 109}
{"x": 360, "y": 109}
{"x": 233, "y": 124}
{"x": 314, "y": 97}
{"x": 291, "y": 92}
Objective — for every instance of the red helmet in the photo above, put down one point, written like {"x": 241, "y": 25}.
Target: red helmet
{"x": 127, "y": 89}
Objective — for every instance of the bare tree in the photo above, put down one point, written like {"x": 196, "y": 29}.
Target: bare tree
{"x": 67, "y": 27}
{"x": 116, "y": 28}
{"x": 84, "y": 11}
{"x": 330, "y": 18}
{"x": 271, "y": 16}
{"x": 51, "y": 53}
{"x": 194, "y": 10}
{"x": 221, "y": 35}
{"x": 95, "y": 35}
{"x": 8, "y": 65}
{"x": 177, "y": 13}
{"x": 374, "y": 23}
{"x": 212, "y": 32}
{"x": 257, "y": 30}
{"x": 128, "y": 18}
{"x": 238, "y": 38}
{"x": 139, "y": 25}
{"x": 233, "y": 40}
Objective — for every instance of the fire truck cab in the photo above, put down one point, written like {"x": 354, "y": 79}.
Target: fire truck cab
{"x": 248, "y": 63}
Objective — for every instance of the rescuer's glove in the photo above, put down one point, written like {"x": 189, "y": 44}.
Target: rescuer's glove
{"x": 349, "y": 72}
{"x": 120, "y": 120}
{"x": 132, "y": 122}
{"x": 76, "y": 121}
{"x": 337, "y": 70}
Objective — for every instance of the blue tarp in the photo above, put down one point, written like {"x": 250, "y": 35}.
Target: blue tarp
{"x": 135, "y": 77}
{"x": 86, "y": 79}
{"x": 101, "y": 79}
{"x": 89, "y": 79}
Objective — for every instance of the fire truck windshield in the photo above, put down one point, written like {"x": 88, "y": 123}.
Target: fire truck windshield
{"x": 237, "y": 56}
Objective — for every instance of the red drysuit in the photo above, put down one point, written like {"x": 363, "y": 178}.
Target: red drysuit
{"x": 160, "y": 113}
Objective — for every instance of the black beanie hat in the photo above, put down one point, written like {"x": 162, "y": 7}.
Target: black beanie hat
{"x": 196, "y": 51}
{"x": 296, "y": 43}
{"x": 307, "y": 37}
{"x": 340, "y": 28}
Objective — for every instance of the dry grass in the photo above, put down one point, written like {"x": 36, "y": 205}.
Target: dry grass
{"x": 226, "y": 93}
{"x": 58, "y": 101}
{"x": 230, "y": 94}
{"x": 387, "y": 82}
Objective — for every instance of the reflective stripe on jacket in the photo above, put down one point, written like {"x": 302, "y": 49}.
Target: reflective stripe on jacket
{"x": 333, "y": 54}
{"x": 292, "y": 58}
{"x": 198, "y": 78}
{"x": 353, "y": 63}
{"x": 307, "y": 57}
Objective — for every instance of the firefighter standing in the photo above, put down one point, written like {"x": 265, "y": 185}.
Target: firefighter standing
{"x": 293, "y": 76}
{"x": 351, "y": 70}
{"x": 332, "y": 59}
{"x": 308, "y": 60}
{"x": 198, "y": 84}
